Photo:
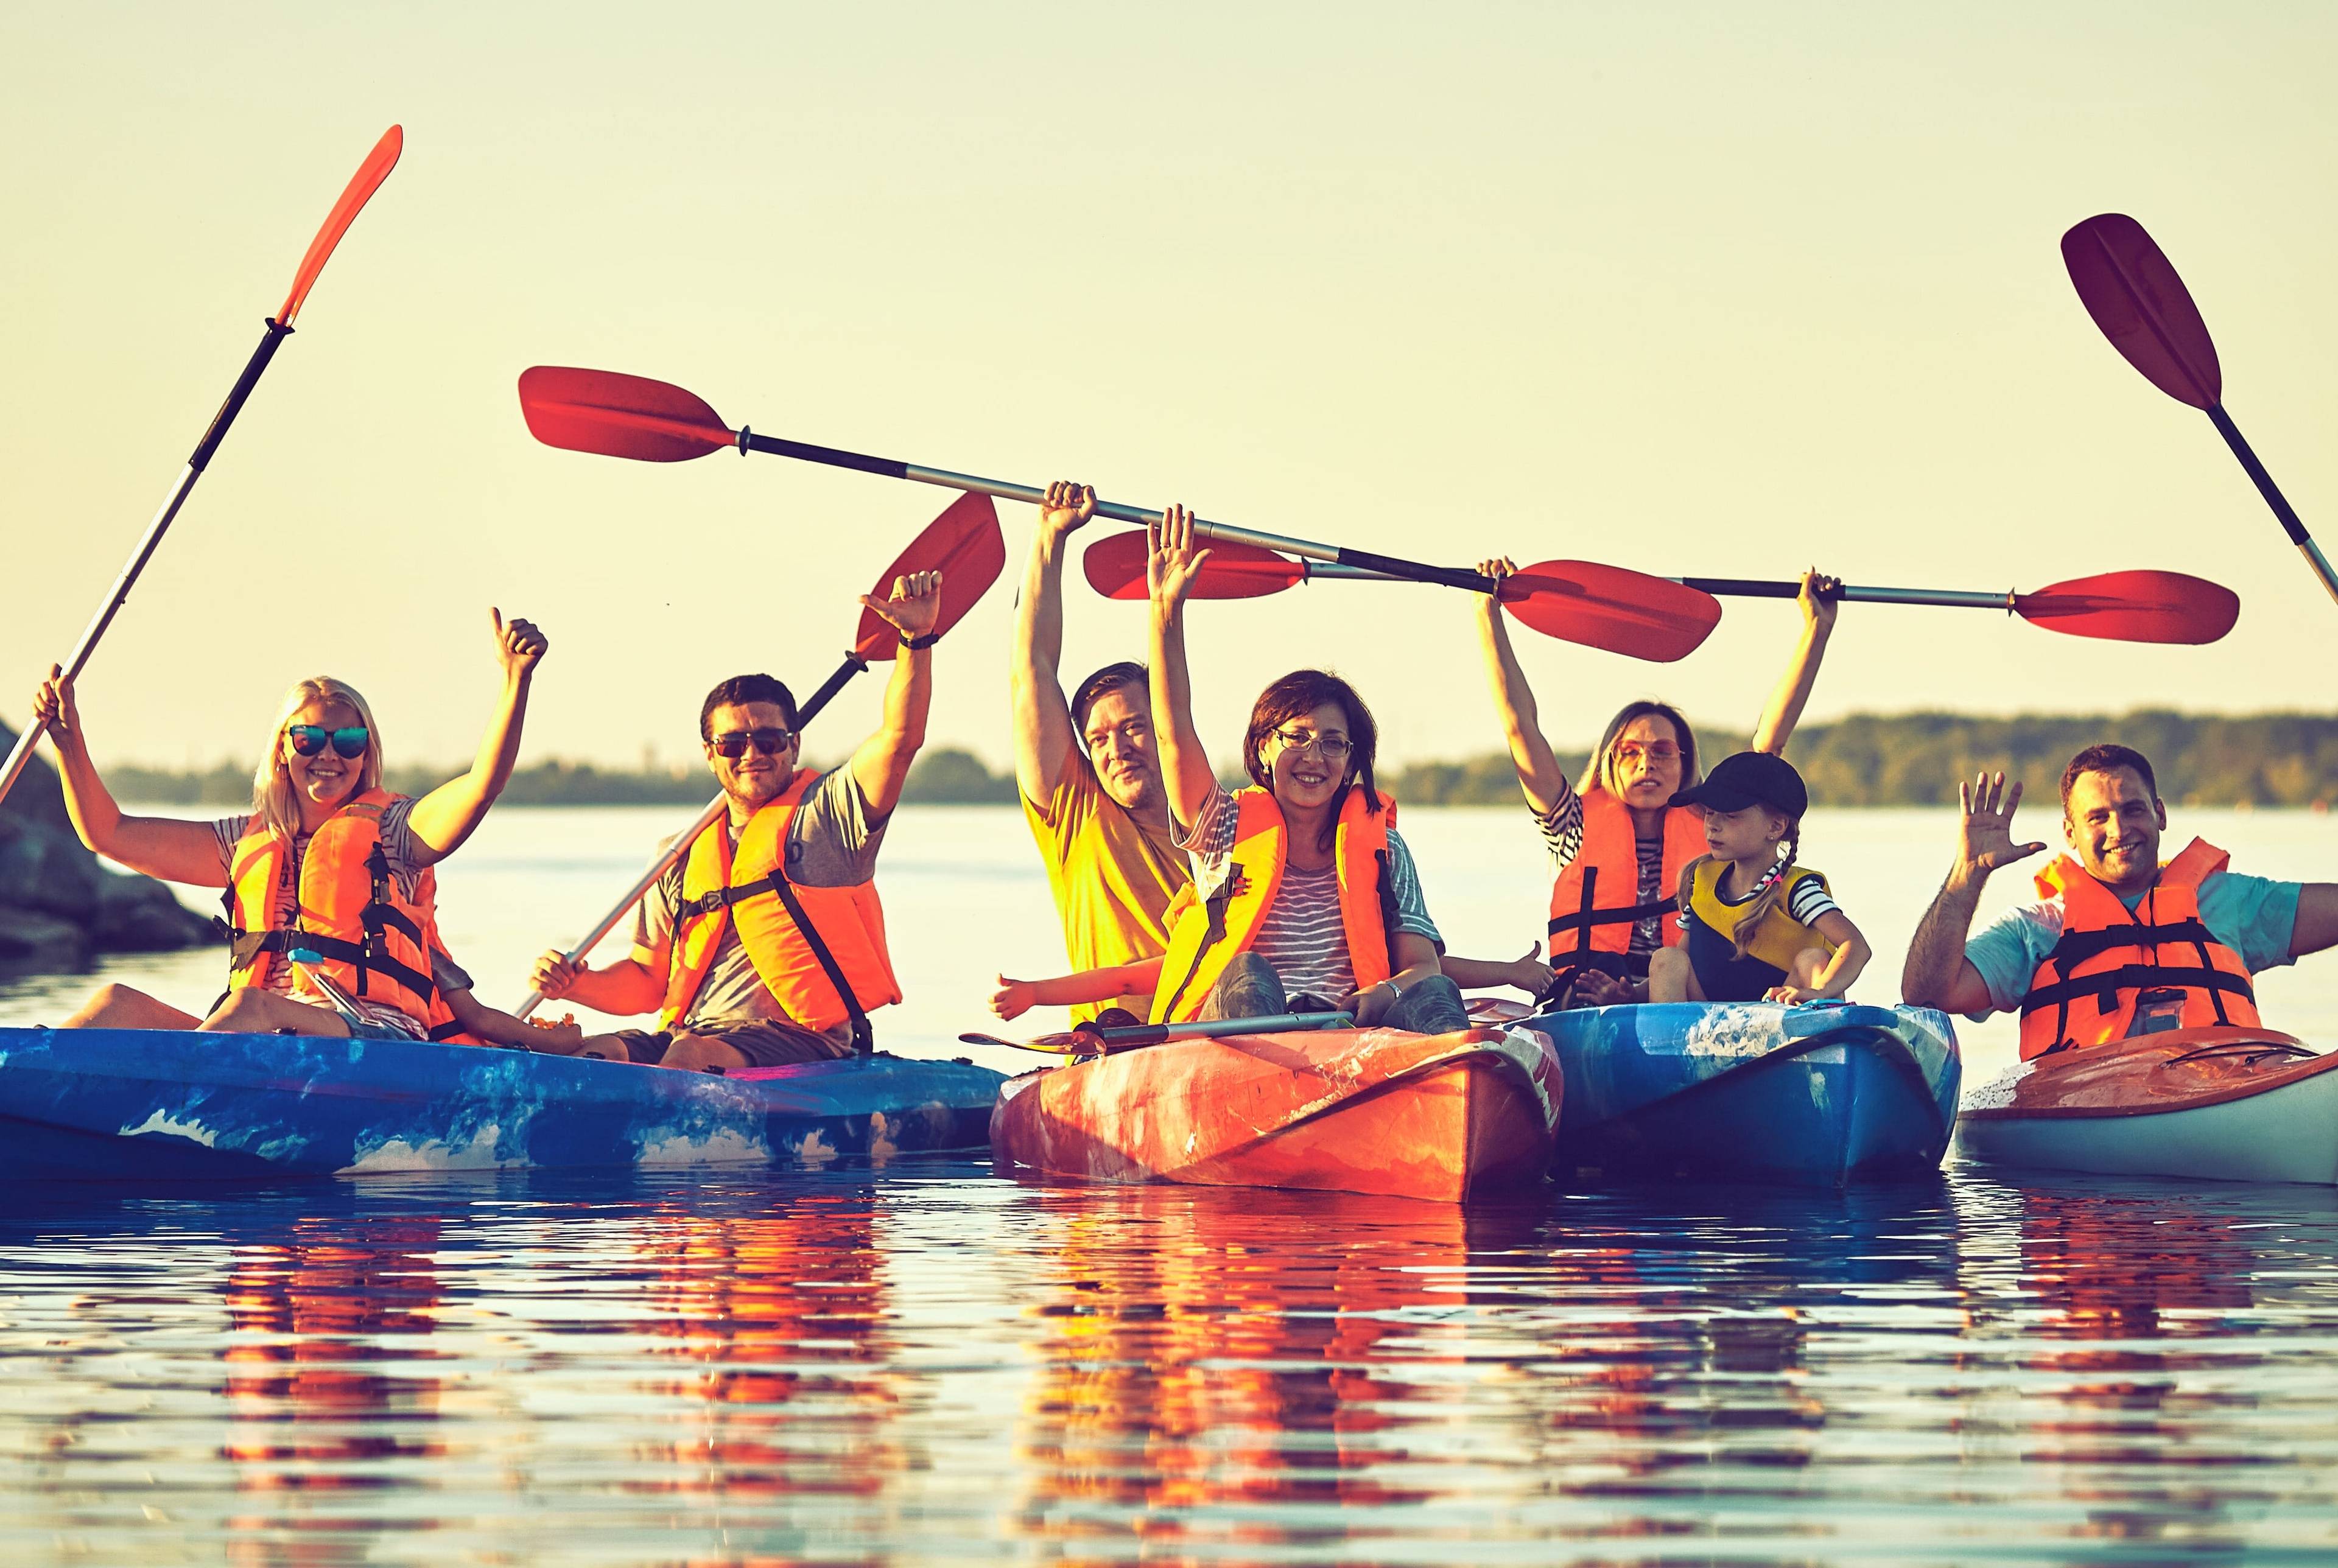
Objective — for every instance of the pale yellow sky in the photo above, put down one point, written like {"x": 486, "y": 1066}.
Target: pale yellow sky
{"x": 1717, "y": 289}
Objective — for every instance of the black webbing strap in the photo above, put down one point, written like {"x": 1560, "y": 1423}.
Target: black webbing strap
{"x": 2105, "y": 986}
{"x": 249, "y": 945}
{"x": 2075, "y": 947}
{"x": 864, "y": 1039}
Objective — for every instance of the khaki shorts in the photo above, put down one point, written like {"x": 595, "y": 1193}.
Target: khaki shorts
{"x": 766, "y": 1044}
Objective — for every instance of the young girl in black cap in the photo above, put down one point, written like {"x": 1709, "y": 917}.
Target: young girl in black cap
{"x": 1759, "y": 926}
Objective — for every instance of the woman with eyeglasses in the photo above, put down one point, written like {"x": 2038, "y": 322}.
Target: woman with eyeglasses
{"x": 326, "y": 864}
{"x": 1307, "y": 898}
{"x": 1619, "y": 841}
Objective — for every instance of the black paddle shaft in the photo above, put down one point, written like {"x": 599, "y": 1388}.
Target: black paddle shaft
{"x": 893, "y": 468}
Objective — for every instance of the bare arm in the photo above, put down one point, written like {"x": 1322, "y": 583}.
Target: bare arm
{"x": 1938, "y": 973}
{"x": 2317, "y": 919}
{"x": 1015, "y": 997}
{"x": 630, "y": 985}
{"x": 166, "y": 847}
{"x": 1170, "y": 570}
{"x": 881, "y": 764}
{"x": 444, "y": 818}
{"x": 1784, "y": 708}
{"x": 500, "y": 1028}
{"x": 1043, "y": 722}
{"x": 1842, "y": 966}
{"x": 1529, "y": 974}
{"x": 1540, "y": 774}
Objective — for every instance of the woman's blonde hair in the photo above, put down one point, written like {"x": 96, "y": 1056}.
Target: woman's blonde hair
{"x": 1766, "y": 892}
{"x": 273, "y": 800}
{"x": 1601, "y": 773}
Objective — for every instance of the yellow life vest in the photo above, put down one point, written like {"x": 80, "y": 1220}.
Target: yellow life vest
{"x": 371, "y": 938}
{"x": 1226, "y": 921}
{"x": 819, "y": 951}
{"x": 1780, "y": 939}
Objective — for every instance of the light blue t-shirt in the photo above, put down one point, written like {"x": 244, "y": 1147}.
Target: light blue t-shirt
{"x": 2256, "y": 916}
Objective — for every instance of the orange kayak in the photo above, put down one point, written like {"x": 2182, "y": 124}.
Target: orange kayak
{"x": 1380, "y": 1111}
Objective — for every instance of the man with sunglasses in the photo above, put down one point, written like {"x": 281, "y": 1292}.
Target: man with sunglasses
{"x": 1089, "y": 774}
{"x": 764, "y": 944}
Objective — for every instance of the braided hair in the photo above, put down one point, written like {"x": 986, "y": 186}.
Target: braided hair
{"x": 1767, "y": 891}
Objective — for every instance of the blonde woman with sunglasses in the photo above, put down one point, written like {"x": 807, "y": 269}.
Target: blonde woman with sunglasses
{"x": 326, "y": 863}
{"x": 1617, "y": 841}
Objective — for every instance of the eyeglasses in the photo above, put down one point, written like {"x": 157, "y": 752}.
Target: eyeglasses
{"x": 311, "y": 740}
{"x": 1656, "y": 751}
{"x": 1330, "y": 747}
{"x": 733, "y": 743}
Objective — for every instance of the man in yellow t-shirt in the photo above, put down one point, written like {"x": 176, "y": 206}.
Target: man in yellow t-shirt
{"x": 1090, "y": 775}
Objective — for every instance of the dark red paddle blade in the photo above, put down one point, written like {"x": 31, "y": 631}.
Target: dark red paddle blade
{"x": 2134, "y": 607}
{"x": 619, "y": 415}
{"x": 1115, "y": 568}
{"x": 965, "y": 545}
{"x": 359, "y": 190}
{"x": 1610, "y": 607}
{"x": 2134, "y": 295}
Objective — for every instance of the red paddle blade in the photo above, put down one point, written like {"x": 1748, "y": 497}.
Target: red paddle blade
{"x": 965, "y": 545}
{"x": 1610, "y": 607}
{"x": 2134, "y": 607}
{"x": 619, "y": 415}
{"x": 2133, "y": 293}
{"x": 361, "y": 188}
{"x": 1115, "y": 568}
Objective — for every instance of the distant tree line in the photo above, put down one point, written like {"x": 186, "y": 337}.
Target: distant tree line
{"x": 1866, "y": 760}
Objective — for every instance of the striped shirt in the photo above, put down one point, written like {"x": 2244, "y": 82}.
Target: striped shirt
{"x": 1805, "y": 901}
{"x": 1302, "y": 935}
{"x": 1562, "y": 835}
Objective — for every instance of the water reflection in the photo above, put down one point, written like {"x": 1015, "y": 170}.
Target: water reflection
{"x": 882, "y": 1366}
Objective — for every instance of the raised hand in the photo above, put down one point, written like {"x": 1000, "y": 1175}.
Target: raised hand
{"x": 518, "y": 645}
{"x": 53, "y": 705}
{"x": 1498, "y": 568}
{"x": 1069, "y": 505}
{"x": 1820, "y": 598}
{"x": 914, "y": 606}
{"x": 1013, "y": 998}
{"x": 553, "y": 975}
{"x": 1985, "y": 827}
{"x": 1171, "y": 563}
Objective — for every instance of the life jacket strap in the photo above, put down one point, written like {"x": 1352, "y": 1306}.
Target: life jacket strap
{"x": 864, "y": 1039}
{"x": 2105, "y": 986}
{"x": 249, "y": 945}
{"x": 1630, "y": 914}
{"x": 2075, "y": 947}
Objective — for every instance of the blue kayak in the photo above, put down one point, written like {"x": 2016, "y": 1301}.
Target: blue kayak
{"x": 1818, "y": 1094}
{"x": 121, "y": 1104}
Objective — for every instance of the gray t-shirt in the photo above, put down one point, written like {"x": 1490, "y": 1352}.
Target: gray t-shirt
{"x": 831, "y": 843}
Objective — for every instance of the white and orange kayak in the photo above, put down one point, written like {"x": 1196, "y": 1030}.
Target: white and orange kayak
{"x": 1445, "y": 1117}
{"x": 2221, "y": 1104}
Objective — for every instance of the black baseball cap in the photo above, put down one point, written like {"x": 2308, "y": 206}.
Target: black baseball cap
{"x": 1750, "y": 779}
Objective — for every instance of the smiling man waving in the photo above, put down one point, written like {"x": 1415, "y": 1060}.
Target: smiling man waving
{"x": 2122, "y": 943}
{"x": 765, "y": 942}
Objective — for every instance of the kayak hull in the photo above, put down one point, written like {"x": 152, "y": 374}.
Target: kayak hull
{"x": 2207, "y": 1104}
{"x": 137, "y": 1105}
{"x": 1810, "y": 1096}
{"x": 1443, "y": 1117}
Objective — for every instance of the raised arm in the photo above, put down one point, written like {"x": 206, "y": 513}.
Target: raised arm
{"x": 1784, "y": 709}
{"x": 164, "y": 847}
{"x": 1170, "y": 568}
{"x": 1938, "y": 973}
{"x": 881, "y": 764}
{"x": 446, "y": 817}
{"x": 1043, "y": 722}
{"x": 1540, "y": 774}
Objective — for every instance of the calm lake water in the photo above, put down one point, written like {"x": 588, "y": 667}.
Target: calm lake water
{"x": 926, "y": 1363}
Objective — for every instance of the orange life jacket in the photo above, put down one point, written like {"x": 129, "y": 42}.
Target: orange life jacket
{"x": 1595, "y": 902}
{"x": 819, "y": 951}
{"x": 2106, "y": 968}
{"x": 1225, "y": 922}
{"x": 373, "y": 940}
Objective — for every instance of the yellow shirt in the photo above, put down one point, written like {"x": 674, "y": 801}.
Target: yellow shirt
{"x": 1111, "y": 878}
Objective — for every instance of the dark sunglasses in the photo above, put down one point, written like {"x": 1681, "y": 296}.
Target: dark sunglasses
{"x": 309, "y": 740}
{"x": 733, "y": 743}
